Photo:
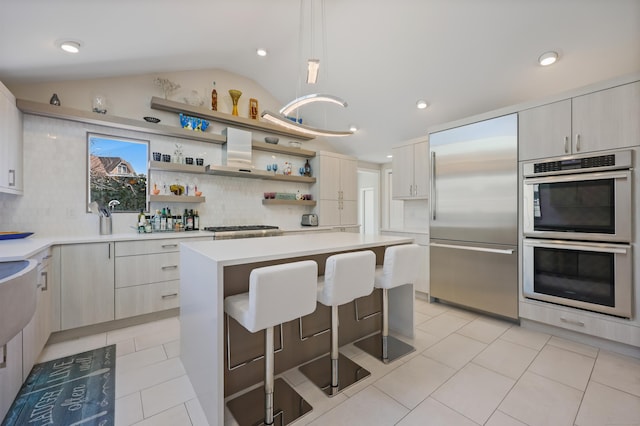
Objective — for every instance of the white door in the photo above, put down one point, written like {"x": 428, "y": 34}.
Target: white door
{"x": 367, "y": 211}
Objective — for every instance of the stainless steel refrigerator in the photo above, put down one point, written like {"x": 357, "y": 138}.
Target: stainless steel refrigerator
{"x": 474, "y": 220}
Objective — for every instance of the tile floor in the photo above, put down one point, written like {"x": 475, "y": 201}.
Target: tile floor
{"x": 467, "y": 370}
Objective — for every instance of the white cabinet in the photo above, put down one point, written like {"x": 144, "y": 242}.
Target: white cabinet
{"x": 36, "y": 333}
{"x": 10, "y": 144}
{"x": 87, "y": 284}
{"x": 147, "y": 276}
{"x": 597, "y": 121}
{"x": 336, "y": 189}
{"x": 411, "y": 171}
{"x": 10, "y": 372}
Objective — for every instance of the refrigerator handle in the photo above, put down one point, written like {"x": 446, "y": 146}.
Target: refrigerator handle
{"x": 432, "y": 196}
{"x": 472, "y": 248}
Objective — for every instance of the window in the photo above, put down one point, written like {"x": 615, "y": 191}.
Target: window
{"x": 117, "y": 172}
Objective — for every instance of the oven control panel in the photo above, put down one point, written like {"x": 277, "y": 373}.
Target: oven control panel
{"x": 577, "y": 164}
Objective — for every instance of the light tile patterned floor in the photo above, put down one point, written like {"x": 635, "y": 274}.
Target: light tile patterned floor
{"x": 467, "y": 370}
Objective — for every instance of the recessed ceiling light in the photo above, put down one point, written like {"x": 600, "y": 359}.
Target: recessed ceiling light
{"x": 548, "y": 58}
{"x": 261, "y": 51}
{"x": 353, "y": 128}
{"x": 422, "y": 104}
{"x": 389, "y": 156}
{"x": 70, "y": 46}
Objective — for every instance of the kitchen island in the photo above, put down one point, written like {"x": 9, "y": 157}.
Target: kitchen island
{"x": 212, "y": 270}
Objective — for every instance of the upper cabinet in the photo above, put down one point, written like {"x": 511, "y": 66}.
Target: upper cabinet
{"x": 411, "y": 171}
{"x": 336, "y": 189}
{"x": 602, "y": 120}
{"x": 10, "y": 143}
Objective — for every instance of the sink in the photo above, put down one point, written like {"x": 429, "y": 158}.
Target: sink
{"x": 18, "y": 282}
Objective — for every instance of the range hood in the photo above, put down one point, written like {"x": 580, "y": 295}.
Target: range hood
{"x": 236, "y": 156}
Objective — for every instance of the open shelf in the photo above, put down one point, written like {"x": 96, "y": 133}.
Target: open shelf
{"x": 289, "y": 202}
{"x": 256, "y": 174}
{"x": 176, "y": 199}
{"x": 175, "y": 167}
{"x": 282, "y": 149}
{"x": 219, "y": 117}
{"x": 90, "y": 117}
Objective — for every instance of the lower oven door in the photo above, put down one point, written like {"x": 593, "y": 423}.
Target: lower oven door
{"x": 592, "y": 276}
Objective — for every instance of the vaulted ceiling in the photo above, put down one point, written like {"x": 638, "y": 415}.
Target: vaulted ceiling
{"x": 464, "y": 57}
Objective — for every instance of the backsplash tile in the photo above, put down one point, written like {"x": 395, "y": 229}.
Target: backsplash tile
{"x": 55, "y": 190}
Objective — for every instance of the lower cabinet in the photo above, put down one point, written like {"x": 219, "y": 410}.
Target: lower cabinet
{"x": 36, "y": 333}
{"x": 10, "y": 373}
{"x": 148, "y": 276}
{"x": 87, "y": 284}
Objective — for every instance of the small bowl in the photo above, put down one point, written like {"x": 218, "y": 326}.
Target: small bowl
{"x": 152, "y": 119}
{"x": 295, "y": 144}
{"x": 198, "y": 193}
{"x": 271, "y": 139}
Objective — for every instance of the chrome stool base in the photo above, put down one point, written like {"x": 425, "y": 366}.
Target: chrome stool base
{"x": 373, "y": 345}
{"x": 319, "y": 372}
{"x": 288, "y": 406}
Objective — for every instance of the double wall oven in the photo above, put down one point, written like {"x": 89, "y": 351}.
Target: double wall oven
{"x": 578, "y": 228}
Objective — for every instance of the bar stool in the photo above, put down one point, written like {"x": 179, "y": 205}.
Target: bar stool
{"x": 346, "y": 277}
{"x": 277, "y": 294}
{"x": 401, "y": 266}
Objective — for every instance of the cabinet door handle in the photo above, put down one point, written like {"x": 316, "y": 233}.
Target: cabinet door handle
{"x": 169, "y": 246}
{"x": 415, "y": 190}
{"x": 3, "y": 363}
{"x": 578, "y": 142}
{"x": 12, "y": 178}
{"x": 45, "y": 287}
{"x": 164, "y": 268}
{"x": 167, "y": 296}
{"x": 432, "y": 196}
{"x": 566, "y": 144}
{"x": 574, "y": 322}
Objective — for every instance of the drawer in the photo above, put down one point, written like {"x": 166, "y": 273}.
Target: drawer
{"x": 592, "y": 324}
{"x": 144, "y": 299}
{"x": 146, "y": 269}
{"x": 132, "y": 248}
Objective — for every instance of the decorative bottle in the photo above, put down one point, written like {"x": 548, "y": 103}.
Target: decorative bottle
{"x": 214, "y": 98}
{"x": 307, "y": 168}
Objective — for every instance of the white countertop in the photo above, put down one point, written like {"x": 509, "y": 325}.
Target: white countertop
{"x": 27, "y": 247}
{"x": 249, "y": 250}
{"x": 406, "y": 231}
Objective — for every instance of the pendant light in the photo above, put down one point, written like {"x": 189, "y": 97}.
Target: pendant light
{"x": 313, "y": 68}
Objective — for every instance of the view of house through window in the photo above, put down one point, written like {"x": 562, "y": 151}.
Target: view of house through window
{"x": 117, "y": 172}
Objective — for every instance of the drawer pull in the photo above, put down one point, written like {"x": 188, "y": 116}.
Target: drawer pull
{"x": 167, "y": 296}
{"x": 169, "y": 246}
{"x": 164, "y": 268}
{"x": 574, "y": 322}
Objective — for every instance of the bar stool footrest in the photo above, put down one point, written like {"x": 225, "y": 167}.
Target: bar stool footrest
{"x": 319, "y": 372}
{"x": 288, "y": 406}
{"x": 395, "y": 348}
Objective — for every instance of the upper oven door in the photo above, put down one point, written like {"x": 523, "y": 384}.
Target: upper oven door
{"x": 584, "y": 206}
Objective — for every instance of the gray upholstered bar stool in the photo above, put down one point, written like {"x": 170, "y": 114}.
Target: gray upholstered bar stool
{"x": 346, "y": 277}
{"x": 401, "y": 266}
{"x": 277, "y": 294}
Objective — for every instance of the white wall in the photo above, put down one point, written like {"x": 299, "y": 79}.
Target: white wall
{"x": 54, "y": 200}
